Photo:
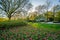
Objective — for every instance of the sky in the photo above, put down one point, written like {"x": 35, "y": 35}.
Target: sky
{"x": 41, "y": 2}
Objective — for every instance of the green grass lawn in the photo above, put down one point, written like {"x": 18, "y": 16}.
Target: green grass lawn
{"x": 32, "y": 31}
{"x": 55, "y": 27}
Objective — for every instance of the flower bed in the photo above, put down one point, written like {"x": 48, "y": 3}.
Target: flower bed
{"x": 29, "y": 33}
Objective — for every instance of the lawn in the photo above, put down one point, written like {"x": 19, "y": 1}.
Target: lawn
{"x": 32, "y": 31}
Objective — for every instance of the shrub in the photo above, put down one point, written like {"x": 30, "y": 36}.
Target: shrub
{"x": 12, "y": 23}
{"x": 3, "y": 19}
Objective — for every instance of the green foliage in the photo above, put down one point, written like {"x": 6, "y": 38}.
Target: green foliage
{"x": 58, "y": 15}
{"x": 30, "y": 33}
{"x": 12, "y": 23}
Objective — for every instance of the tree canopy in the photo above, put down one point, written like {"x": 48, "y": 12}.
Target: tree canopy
{"x": 10, "y": 6}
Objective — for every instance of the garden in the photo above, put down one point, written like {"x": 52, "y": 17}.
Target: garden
{"x": 31, "y": 31}
{"x": 29, "y": 19}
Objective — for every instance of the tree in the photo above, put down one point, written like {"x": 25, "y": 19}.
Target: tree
{"x": 47, "y": 7}
{"x": 28, "y": 6}
{"x": 40, "y": 8}
{"x": 23, "y": 12}
{"x": 32, "y": 16}
{"x": 1, "y": 14}
{"x": 56, "y": 9}
{"x": 10, "y": 6}
{"x": 58, "y": 15}
{"x": 50, "y": 15}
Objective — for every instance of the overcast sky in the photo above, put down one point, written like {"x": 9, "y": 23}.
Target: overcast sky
{"x": 41, "y": 2}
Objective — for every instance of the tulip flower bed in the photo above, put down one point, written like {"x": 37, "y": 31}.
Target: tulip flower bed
{"x": 30, "y": 32}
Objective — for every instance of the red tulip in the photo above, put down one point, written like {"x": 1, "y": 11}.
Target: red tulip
{"x": 44, "y": 39}
{"x": 30, "y": 39}
{"x": 27, "y": 33}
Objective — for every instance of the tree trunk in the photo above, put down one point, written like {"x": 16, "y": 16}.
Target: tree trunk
{"x": 54, "y": 14}
{"x": 9, "y": 16}
{"x": 47, "y": 16}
